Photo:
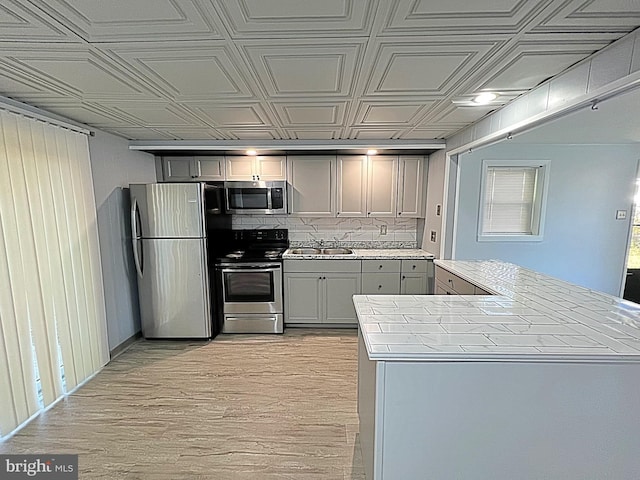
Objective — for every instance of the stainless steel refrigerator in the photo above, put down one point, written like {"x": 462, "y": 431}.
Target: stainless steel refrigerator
{"x": 170, "y": 252}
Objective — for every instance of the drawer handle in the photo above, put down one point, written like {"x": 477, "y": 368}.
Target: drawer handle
{"x": 379, "y": 287}
{"x": 413, "y": 267}
{"x": 379, "y": 267}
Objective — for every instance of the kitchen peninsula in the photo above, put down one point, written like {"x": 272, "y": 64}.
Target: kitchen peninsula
{"x": 538, "y": 380}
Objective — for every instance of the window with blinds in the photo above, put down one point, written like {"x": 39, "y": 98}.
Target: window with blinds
{"x": 512, "y": 201}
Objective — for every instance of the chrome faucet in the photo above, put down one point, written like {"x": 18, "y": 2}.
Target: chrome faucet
{"x": 321, "y": 242}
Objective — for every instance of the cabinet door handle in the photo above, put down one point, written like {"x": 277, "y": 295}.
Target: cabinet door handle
{"x": 413, "y": 267}
{"x": 403, "y": 277}
{"x": 399, "y": 213}
{"x": 379, "y": 267}
{"x": 379, "y": 287}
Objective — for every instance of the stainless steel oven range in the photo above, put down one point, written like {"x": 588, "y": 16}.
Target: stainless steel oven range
{"x": 250, "y": 278}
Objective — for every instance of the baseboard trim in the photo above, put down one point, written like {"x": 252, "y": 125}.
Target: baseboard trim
{"x": 125, "y": 345}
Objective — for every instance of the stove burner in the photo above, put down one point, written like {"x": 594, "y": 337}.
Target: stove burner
{"x": 272, "y": 253}
{"x": 235, "y": 254}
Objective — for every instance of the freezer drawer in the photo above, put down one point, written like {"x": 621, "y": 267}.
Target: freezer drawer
{"x": 173, "y": 283}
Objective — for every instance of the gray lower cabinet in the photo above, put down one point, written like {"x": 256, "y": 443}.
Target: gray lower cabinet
{"x": 448, "y": 283}
{"x": 416, "y": 277}
{"x": 321, "y": 291}
{"x": 380, "y": 283}
{"x": 339, "y": 289}
{"x": 302, "y": 292}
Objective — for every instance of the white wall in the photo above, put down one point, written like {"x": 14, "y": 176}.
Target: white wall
{"x": 435, "y": 194}
{"x": 583, "y": 242}
{"x": 114, "y": 167}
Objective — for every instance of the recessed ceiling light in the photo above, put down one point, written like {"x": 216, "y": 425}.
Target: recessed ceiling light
{"x": 372, "y": 151}
{"x": 484, "y": 98}
{"x": 251, "y": 152}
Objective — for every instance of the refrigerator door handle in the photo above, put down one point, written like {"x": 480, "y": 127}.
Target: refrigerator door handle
{"x": 135, "y": 241}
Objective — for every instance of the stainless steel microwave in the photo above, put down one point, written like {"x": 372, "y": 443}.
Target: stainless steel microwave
{"x": 258, "y": 198}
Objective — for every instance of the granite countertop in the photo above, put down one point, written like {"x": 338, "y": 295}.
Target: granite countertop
{"x": 532, "y": 317}
{"x": 369, "y": 254}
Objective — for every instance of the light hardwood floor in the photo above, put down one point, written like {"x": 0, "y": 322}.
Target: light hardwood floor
{"x": 238, "y": 407}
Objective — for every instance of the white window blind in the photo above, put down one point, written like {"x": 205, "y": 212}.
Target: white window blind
{"x": 52, "y": 316}
{"x": 509, "y": 201}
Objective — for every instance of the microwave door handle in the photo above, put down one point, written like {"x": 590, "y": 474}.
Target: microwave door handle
{"x": 269, "y": 201}
{"x": 135, "y": 240}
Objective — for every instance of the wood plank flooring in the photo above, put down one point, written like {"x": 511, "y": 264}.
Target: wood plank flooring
{"x": 239, "y": 407}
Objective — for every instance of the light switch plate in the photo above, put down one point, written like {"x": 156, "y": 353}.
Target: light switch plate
{"x": 621, "y": 214}
{"x": 438, "y": 209}
{"x": 433, "y": 235}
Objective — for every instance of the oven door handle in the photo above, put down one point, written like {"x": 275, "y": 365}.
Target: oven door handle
{"x": 248, "y": 269}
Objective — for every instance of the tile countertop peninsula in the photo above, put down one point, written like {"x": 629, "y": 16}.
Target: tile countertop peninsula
{"x": 539, "y": 380}
{"x": 368, "y": 254}
{"x": 531, "y": 317}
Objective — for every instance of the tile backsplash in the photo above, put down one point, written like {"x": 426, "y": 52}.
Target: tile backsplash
{"x": 345, "y": 232}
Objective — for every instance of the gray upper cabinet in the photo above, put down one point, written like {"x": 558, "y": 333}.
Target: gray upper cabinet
{"x": 411, "y": 186}
{"x": 382, "y": 186}
{"x": 312, "y": 185}
{"x": 188, "y": 169}
{"x": 177, "y": 169}
{"x": 352, "y": 186}
{"x": 263, "y": 168}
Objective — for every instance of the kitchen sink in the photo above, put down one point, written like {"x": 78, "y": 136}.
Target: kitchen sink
{"x": 337, "y": 251}
{"x": 321, "y": 251}
{"x": 305, "y": 251}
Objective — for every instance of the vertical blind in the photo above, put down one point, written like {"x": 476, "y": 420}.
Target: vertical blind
{"x": 509, "y": 200}
{"x": 52, "y": 317}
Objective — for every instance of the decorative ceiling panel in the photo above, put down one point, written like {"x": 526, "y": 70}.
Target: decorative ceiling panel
{"x": 122, "y": 20}
{"x": 591, "y": 15}
{"x": 155, "y": 114}
{"x": 374, "y": 134}
{"x": 184, "y": 70}
{"x": 308, "y": 70}
{"x": 463, "y": 115}
{"x": 311, "y": 114}
{"x": 296, "y": 17}
{"x": 427, "y": 133}
{"x": 74, "y": 70}
{"x": 231, "y": 115}
{"x": 280, "y": 69}
{"x": 20, "y": 21}
{"x": 313, "y": 134}
{"x": 528, "y": 69}
{"x": 389, "y": 113}
{"x": 141, "y": 133}
{"x": 249, "y": 134}
{"x": 429, "y": 17}
{"x": 432, "y": 68}
{"x": 190, "y": 133}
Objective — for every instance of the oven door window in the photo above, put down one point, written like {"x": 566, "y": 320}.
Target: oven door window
{"x": 242, "y": 287}
{"x": 248, "y": 198}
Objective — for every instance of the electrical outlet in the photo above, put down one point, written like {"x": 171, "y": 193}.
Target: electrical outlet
{"x": 433, "y": 235}
{"x": 438, "y": 209}
{"x": 621, "y": 214}
{"x": 383, "y": 229}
